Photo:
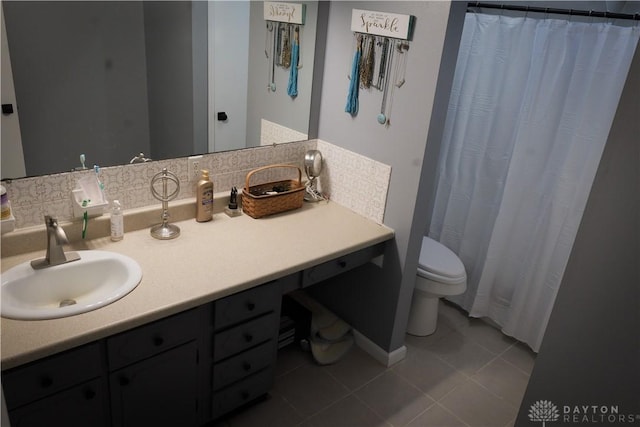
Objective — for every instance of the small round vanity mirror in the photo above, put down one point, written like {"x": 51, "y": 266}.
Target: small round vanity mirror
{"x": 312, "y": 167}
{"x": 313, "y": 164}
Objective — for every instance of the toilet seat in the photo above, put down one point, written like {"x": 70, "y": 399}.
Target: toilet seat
{"x": 442, "y": 279}
{"x": 440, "y": 264}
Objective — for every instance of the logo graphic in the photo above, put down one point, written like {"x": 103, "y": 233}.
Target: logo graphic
{"x": 543, "y": 410}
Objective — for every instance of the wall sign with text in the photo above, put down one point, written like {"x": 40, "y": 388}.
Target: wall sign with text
{"x": 382, "y": 24}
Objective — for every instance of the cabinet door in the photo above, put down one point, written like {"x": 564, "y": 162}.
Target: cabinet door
{"x": 80, "y": 406}
{"x": 159, "y": 391}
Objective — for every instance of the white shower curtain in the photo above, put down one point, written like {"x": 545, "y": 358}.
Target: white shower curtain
{"x": 530, "y": 111}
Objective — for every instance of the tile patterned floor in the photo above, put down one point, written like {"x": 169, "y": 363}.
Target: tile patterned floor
{"x": 466, "y": 374}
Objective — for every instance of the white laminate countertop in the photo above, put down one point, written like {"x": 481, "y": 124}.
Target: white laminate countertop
{"x": 206, "y": 262}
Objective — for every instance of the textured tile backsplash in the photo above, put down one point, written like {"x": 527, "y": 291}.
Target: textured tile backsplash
{"x": 274, "y": 133}
{"x": 352, "y": 180}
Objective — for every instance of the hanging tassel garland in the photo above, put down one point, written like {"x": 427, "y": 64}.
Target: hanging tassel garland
{"x": 292, "y": 89}
{"x": 354, "y": 84}
{"x": 379, "y": 63}
{"x": 367, "y": 63}
{"x": 286, "y": 47}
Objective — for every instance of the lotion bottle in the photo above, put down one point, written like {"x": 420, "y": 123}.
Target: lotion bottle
{"x": 204, "y": 198}
{"x": 117, "y": 222}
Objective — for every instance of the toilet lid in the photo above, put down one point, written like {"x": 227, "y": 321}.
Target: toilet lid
{"x": 438, "y": 259}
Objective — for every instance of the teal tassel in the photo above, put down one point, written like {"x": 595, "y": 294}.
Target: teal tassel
{"x": 292, "y": 89}
{"x": 354, "y": 86}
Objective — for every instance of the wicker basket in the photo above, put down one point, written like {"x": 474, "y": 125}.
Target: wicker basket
{"x": 256, "y": 203}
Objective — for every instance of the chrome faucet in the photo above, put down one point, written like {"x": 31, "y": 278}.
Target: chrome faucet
{"x": 56, "y": 237}
{"x": 140, "y": 158}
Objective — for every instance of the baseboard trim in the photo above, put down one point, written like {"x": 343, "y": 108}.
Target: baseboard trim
{"x": 386, "y": 358}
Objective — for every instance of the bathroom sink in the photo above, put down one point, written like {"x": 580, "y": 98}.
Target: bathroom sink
{"x": 97, "y": 279}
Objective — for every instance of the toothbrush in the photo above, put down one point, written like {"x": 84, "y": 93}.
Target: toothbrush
{"x": 96, "y": 169}
{"x": 85, "y": 219}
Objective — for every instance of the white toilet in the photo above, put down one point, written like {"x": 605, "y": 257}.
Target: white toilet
{"x": 440, "y": 273}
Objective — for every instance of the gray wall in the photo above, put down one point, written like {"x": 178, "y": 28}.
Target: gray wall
{"x": 200, "y": 81}
{"x": 278, "y": 107}
{"x": 12, "y": 159}
{"x": 169, "y": 58}
{"x": 82, "y": 73}
{"x": 376, "y": 301}
{"x": 51, "y": 84}
{"x": 590, "y": 354}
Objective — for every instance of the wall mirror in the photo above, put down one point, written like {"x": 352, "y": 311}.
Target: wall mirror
{"x": 169, "y": 79}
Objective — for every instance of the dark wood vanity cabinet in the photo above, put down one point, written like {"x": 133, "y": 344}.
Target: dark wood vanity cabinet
{"x": 154, "y": 370}
{"x": 67, "y": 389}
{"x": 244, "y": 336}
{"x": 79, "y": 406}
{"x": 183, "y": 370}
{"x": 160, "y": 391}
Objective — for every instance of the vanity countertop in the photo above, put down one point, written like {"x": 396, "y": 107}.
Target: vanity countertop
{"x": 206, "y": 262}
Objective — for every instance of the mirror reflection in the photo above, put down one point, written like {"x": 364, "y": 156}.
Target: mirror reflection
{"x": 109, "y": 80}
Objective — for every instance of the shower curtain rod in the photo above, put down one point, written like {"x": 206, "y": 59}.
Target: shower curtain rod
{"x": 578, "y": 12}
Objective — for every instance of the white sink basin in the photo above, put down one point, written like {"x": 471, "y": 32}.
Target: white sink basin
{"x": 97, "y": 279}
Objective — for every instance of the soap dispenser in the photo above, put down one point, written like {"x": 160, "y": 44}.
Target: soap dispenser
{"x": 204, "y": 198}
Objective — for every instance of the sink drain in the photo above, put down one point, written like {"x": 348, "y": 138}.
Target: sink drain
{"x": 66, "y": 302}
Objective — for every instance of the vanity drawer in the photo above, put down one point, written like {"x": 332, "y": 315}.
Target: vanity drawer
{"x": 244, "y": 336}
{"x": 148, "y": 340}
{"x": 340, "y": 265}
{"x": 245, "y": 305}
{"x": 244, "y": 364}
{"x": 79, "y": 406}
{"x": 243, "y": 392}
{"x": 47, "y": 376}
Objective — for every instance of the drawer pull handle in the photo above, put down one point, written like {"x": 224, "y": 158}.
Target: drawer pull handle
{"x": 248, "y": 337}
{"x": 89, "y": 394}
{"x": 342, "y": 264}
{"x": 46, "y": 382}
{"x": 158, "y": 341}
{"x": 251, "y": 306}
{"x": 246, "y": 366}
{"x": 123, "y": 381}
